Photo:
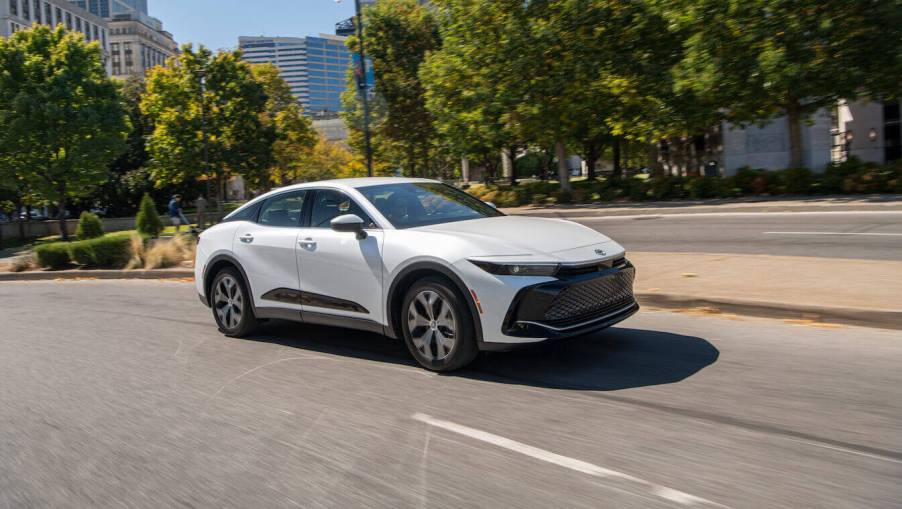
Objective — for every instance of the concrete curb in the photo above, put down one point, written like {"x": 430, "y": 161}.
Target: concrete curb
{"x": 884, "y": 319}
{"x": 49, "y": 275}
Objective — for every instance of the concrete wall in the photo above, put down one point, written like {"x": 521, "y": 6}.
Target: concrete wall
{"x": 37, "y": 229}
{"x": 768, "y": 146}
{"x": 859, "y": 118}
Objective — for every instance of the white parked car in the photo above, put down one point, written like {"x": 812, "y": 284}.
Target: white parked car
{"x": 413, "y": 259}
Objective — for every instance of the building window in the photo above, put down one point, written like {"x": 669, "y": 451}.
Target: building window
{"x": 96, "y": 32}
{"x": 68, "y": 20}
{"x": 48, "y": 14}
{"x": 78, "y": 24}
{"x": 26, "y": 11}
{"x": 14, "y": 9}
{"x": 59, "y": 16}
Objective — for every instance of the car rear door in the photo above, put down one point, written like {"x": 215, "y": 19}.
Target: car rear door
{"x": 340, "y": 275}
{"x": 266, "y": 249}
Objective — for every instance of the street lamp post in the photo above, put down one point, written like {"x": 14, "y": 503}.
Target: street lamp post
{"x": 362, "y": 89}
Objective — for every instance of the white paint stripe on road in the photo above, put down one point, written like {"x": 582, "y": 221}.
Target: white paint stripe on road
{"x": 664, "y": 492}
{"x": 875, "y": 234}
{"x": 687, "y": 214}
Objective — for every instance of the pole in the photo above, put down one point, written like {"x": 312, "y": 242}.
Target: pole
{"x": 203, "y": 127}
{"x": 362, "y": 87}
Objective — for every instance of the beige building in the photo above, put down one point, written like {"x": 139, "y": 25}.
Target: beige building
{"x": 138, "y": 43}
{"x": 18, "y": 14}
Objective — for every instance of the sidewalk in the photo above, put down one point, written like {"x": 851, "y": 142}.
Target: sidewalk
{"x": 864, "y": 203}
{"x": 856, "y": 292}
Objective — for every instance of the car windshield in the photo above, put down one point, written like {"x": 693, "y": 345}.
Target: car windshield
{"x": 409, "y": 205}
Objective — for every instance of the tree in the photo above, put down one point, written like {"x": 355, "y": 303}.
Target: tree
{"x": 399, "y": 34}
{"x": 148, "y": 221}
{"x": 328, "y": 160}
{"x": 61, "y": 112}
{"x": 760, "y": 59}
{"x": 295, "y": 136}
{"x": 232, "y": 107}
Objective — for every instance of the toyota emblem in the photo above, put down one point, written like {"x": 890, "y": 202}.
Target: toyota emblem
{"x": 600, "y": 252}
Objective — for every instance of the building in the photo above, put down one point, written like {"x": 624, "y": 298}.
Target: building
{"x": 109, "y": 8}
{"x": 137, "y": 44}
{"x": 314, "y": 67}
{"x": 18, "y": 14}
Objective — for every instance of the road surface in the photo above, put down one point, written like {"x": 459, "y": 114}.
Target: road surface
{"x": 123, "y": 394}
{"x": 860, "y": 235}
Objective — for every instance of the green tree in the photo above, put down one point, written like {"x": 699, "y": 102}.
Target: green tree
{"x": 148, "y": 220}
{"x": 399, "y": 34}
{"x": 760, "y": 59}
{"x": 64, "y": 116}
{"x": 295, "y": 136}
{"x": 232, "y": 106}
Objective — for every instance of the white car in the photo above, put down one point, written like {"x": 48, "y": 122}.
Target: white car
{"x": 414, "y": 259}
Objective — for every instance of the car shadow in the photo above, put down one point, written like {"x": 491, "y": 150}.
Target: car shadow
{"x": 614, "y": 359}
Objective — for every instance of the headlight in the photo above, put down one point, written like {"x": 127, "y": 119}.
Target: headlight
{"x": 517, "y": 269}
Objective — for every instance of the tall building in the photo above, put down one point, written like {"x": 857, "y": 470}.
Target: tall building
{"x": 137, "y": 40}
{"x": 314, "y": 67}
{"x": 18, "y": 14}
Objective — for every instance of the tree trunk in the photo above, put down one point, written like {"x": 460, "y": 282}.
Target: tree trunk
{"x": 654, "y": 165}
{"x": 591, "y": 152}
{"x": 465, "y": 169}
{"x": 62, "y": 217}
{"x": 220, "y": 195}
{"x": 618, "y": 168}
{"x": 512, "y": 158}
{"x": 563, "y": 174}
{"x": 794, "y": 119}
{"x": 20, "y": 219}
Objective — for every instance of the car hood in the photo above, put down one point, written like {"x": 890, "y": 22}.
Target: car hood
{"x": 530, "y": 239}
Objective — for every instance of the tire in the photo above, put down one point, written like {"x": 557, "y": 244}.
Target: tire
{"x": 441, "y": 338}
{"x": 231, "y": 304}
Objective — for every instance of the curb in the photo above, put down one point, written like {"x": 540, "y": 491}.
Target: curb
{"x": 884, "y": 319}
{"x": 49, "y": 275}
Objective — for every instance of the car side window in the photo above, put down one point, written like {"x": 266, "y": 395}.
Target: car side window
{"x": 283, "y": 210}
{"x": 329, "y": 204}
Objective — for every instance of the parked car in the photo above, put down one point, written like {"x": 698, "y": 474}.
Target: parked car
{"x": 412, "y": 259}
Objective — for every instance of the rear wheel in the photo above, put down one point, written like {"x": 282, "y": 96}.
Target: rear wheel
{"x": 437, "y": 326}
{"x": 231, "y": 304}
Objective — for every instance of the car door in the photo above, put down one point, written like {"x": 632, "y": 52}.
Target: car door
{"x": 340, "y": 274}
{"x": 266, "y": 249}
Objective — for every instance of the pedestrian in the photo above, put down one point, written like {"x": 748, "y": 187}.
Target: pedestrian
{"x": 201, "y": 205}
{"x": 176, "y": 215}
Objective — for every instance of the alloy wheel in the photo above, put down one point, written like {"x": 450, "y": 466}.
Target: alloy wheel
{"x": 229, "y": 302}
{"x": 430, "y": 320}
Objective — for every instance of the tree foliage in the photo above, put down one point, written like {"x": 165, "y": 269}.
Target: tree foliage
{"x": 233, "y": 106}
{"x": 60, "y": 115}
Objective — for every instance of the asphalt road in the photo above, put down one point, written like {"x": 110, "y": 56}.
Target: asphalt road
{"x": 123, "y": 394}
{"x": 860, "y": 235}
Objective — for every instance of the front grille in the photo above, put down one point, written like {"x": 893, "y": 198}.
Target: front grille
{"x": 592, "y": 298}
{"x": 579, "y": 270}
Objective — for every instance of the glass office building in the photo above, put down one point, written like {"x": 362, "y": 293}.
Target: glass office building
{"x": 109, "y": 8}
{"x": 316, "y": 68}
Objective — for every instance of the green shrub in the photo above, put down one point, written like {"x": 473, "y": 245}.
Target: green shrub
{"x": 108, "y": 252}
{"x": 53, "y": 256}
{"x": 148, "y": 220}
{"x": 89, "y": 226}
{"x": 700, "y": 188}
{"x": 795, "y": 180}
{"x": 563, "y": 196}
{"x": 539, "y": 199}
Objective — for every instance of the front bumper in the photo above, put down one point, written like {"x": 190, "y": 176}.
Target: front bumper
{"x": 573, "y": 304}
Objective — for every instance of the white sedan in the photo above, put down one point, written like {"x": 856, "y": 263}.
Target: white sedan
{"x": 414, "y": 259}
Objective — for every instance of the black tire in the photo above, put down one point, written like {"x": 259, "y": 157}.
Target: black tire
{"x": 229, "y": 280}
{"x": 428, "y": 342}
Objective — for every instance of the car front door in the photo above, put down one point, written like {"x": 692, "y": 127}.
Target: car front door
{"x": 341, "y": 275}
{"x": 266, "y": 249}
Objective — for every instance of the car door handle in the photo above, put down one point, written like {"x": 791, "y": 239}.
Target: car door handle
{"x": 247, "y": 238}
{"x": 307, "y": 243}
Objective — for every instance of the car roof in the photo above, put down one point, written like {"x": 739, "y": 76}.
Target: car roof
{"x": 356, "y": 183}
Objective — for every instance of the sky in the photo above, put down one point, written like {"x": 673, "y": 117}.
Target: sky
{"x": 218, "y": 23}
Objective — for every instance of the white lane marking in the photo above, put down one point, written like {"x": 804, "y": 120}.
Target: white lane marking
{"x": 843, "y": 449}
{"x": 688, "y": 214}
{"x": 875, "y": 234}
{"x": 563, "y": 461}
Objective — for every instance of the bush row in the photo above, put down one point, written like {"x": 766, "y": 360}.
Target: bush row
{"x": 111, "y": 251}
{"x": 850, "y": 177}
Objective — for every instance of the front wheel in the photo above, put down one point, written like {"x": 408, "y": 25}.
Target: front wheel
{"x": 437, "y": 326}
{"x": 231, "y": 304}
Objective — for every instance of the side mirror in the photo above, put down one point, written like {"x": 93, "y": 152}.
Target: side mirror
{"x": 490, "y": 204}
{"x": 349, "y": 223}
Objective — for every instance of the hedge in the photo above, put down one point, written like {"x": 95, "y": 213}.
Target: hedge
{"x": 850, "y": 177}
{"x": 108, "y": 252}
